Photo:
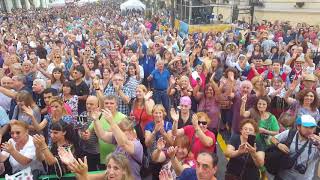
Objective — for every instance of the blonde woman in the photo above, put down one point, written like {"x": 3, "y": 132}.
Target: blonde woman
{"x": 141, "y": 110}
{"x": 117, "y": 168}
{"x": 159, "y": 127}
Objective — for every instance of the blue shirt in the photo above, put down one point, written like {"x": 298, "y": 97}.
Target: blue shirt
{"x": 188, "y": 174}
{"x": 166, "y": 125}
{"x": 148, "y": 63}
{"x": 4, "y": 118}
{"x": 160, "y": 80}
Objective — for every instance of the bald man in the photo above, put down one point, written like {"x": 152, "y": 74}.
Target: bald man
{"x": 89, "y": 140}
{"x": 5, "y": 102}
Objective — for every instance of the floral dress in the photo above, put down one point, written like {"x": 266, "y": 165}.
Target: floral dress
{"x": 73, "y": 104}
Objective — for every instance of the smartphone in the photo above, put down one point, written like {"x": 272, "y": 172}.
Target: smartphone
{"x": 251, "y": 140}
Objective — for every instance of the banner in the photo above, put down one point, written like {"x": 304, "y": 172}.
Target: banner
{"x": 183, "y": 30}
{"x": 209, "y": 28}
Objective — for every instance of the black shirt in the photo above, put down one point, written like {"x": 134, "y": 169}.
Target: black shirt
{"x": 81, "y": 90}
{"x": 243, "y": 165}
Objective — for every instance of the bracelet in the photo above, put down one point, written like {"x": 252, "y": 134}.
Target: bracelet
{"x": 277, "y": 144}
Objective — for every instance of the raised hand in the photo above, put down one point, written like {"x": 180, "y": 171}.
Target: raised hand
{"x": 66, "y": 155}
{"x": 39, "y": 141}
{"x": 294, "y": 84}
{"x": 148, "y": 95}
{"x": 108, "y": 115}
{"x": 251, "y": 149}
{"x": 8, "y": 147}
{"x": 79, "y": 167}
{"x": 171, "y": 151}
{"x": 243, "y": 148}
{"x": 244, "y": 98}
{"x": 27, "y": 110}
{"x": 158, "y": 127}
{"x": 174, "y": 114}
{"x": 172, "y": 80}
{"x": 94, "y": 115}
{"x": 165, "y": 175}
{"x": 195, "y": 121}
{"x": 161, "y": 144}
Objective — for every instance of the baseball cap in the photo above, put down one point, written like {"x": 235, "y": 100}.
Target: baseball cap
{"x": 306, "y": 120}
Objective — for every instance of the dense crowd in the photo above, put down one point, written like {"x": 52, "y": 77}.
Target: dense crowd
{"x": 90, "y": 88}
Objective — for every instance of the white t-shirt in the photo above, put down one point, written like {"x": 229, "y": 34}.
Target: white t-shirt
{"x": 29, "y": 151}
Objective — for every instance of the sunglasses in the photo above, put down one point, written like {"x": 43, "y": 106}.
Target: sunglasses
{"x": 202, "y": 122}
{"x": 57, "y": 57}
{"x": 15, "y": 132}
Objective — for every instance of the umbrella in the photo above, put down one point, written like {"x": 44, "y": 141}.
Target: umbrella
{"x": 132, "y": 4}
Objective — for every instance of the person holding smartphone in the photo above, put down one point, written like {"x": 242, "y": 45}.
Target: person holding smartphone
{"x": 246, "y": 155}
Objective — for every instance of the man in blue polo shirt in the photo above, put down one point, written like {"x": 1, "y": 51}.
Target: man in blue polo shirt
{"x": 160, "y": 77}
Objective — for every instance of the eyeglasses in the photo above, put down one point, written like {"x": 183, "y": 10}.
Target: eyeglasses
{"x": 202, "y": 122}
{"x": 15, "y": 132}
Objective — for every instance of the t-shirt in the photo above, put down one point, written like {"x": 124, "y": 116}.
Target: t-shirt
{"x": 270, "y": 124}
{"x": 188, "y": 174}
{"x": 197, "y": 145}
{"x": 141, "y": 115}
{"x": 105, "y": 148}
{"x": 302, "y": 159}
{"x": 133, "y": 158}
{"x": 150, "y": 127}
{"x": 243, "y": 164}
{"x": 29, "y": 151}
{"x": 81, "y": 90}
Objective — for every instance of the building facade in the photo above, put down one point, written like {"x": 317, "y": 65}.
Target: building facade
{"x": 295, "y": 11}
{"x": 9, "y": 5}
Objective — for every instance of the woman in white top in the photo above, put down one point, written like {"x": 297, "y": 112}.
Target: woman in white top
{"x": 21, "y": 150}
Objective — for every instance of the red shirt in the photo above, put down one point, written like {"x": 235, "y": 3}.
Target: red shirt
{"x": 145, "y": 118}
{"x": 252, "y": 75}
{"x": 197, "y": 145}
{"x": 282, "y": 75}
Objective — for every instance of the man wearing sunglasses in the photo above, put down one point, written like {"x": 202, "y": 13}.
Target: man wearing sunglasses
{"x": 201, "y": 139}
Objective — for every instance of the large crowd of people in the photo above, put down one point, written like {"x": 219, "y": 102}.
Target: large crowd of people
{"x": 92, "y": 89}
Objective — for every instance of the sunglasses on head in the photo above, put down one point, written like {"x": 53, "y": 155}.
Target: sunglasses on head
{"x": 202, "y": 122}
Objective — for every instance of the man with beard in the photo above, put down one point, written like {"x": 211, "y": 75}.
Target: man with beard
{"x": 305, "y": 140}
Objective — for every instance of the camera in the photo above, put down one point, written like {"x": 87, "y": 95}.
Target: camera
{"x": 301, "y": 168}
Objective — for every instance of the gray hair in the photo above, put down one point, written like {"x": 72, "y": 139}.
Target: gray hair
{"x": 41, "y": 82}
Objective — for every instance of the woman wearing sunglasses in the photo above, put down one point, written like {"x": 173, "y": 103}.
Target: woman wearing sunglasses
{"x": 21, "y": 150}
{"x": 201, "y": 139}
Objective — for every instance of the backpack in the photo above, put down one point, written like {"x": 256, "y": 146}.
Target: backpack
{"x": 287, "y": 118}
{"x": 276, "y": 160}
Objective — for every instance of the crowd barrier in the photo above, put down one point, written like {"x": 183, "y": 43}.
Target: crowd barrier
{"x": 69, "y": 175}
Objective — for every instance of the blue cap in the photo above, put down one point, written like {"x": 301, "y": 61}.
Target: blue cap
{"x": 306, "y": 121}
